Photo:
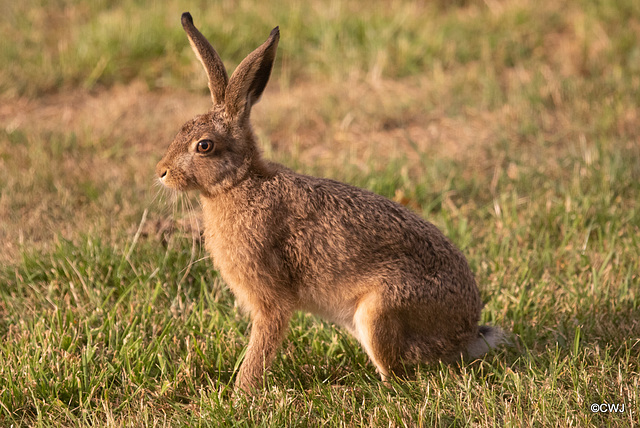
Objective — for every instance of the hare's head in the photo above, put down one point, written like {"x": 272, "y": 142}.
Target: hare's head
{"x": 216, "y": 150}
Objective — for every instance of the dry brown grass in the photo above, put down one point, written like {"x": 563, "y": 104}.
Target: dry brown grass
{"x": 362, "y": 122}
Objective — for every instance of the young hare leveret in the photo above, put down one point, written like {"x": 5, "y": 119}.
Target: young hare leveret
{"x": 283, "y": 241}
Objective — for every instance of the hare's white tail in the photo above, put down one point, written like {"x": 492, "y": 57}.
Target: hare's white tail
{"x": 488, "y": 338}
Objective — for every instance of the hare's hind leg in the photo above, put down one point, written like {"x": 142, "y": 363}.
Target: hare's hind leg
{"x": 380, "y": 332}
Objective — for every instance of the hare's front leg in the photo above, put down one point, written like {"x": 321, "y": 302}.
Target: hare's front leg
{"x": 267, "y": 331}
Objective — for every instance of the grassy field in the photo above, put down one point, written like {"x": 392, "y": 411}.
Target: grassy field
{"x": 511, "y": 125}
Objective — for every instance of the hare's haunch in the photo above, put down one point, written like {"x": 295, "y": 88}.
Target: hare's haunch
{"x": 283, "y": 241}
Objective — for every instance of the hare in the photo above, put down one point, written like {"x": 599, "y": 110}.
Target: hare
{"x": 284, "y": 241}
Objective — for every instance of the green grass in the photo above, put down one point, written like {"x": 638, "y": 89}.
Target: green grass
{"x": 510, "y": 125}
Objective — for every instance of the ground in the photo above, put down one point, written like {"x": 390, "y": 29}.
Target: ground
{"x": 511, "y": 125}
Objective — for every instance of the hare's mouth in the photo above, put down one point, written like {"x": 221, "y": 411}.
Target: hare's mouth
{"x": 172, "y": 185}
{"x": 162, "y": 180}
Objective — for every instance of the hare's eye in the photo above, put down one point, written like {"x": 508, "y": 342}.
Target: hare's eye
{"x": 204, "y": 146}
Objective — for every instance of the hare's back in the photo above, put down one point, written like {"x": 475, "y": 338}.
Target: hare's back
{"x": 346, "y": 227}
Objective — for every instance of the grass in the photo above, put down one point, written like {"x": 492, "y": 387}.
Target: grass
{"x": 510, "y": 125}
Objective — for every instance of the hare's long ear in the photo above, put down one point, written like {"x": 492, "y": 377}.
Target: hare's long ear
{"x": 251, "y": 77}
{"x": 209, "y": 58}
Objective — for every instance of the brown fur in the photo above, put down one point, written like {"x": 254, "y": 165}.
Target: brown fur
{"x": 283, "y": 241}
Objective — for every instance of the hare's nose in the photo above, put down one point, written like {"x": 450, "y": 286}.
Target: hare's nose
{"x": 161, "y": 171}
